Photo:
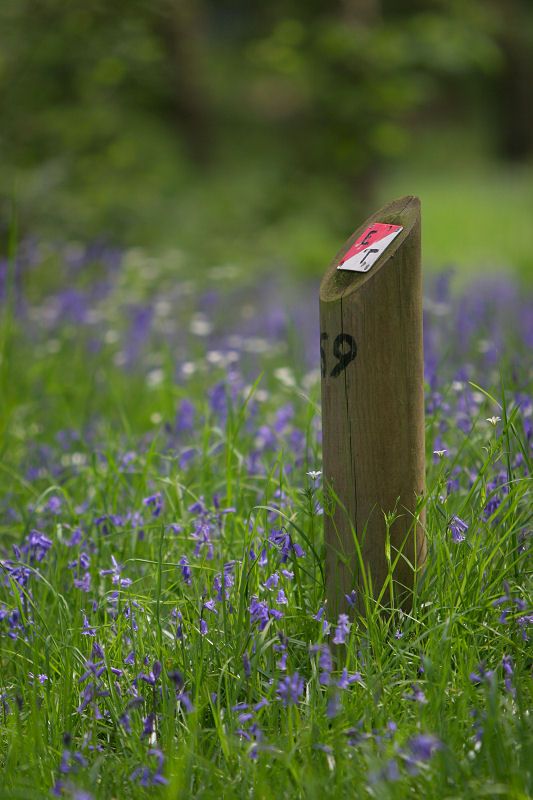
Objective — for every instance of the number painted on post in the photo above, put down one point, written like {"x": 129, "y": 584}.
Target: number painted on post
{"x": 323, "y": 338}
{"x": 344, "y": 351}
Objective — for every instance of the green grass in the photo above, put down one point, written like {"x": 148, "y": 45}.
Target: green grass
{"x": 477, "y": 219}
{"x": 87, "y": 435}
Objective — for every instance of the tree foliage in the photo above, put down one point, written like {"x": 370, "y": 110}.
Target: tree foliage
{"x": 96, "y": 93}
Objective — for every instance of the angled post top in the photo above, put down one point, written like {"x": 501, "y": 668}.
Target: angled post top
{"x": 337, "y": 284}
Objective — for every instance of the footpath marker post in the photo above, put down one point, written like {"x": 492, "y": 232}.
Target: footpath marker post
{"x": 373, "y": 408}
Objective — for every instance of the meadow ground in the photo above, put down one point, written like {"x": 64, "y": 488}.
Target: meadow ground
{"x": 162, "y": 621}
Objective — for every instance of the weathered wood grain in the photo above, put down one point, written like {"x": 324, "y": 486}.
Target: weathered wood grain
{"x": 373, "y": 414}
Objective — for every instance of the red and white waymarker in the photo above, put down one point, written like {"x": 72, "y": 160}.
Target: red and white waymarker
{"x": 366, "y": 250}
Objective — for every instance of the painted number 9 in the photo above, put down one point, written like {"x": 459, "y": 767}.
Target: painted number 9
{"x": 344, "y": 350}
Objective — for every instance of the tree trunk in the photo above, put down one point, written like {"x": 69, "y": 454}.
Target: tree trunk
{"x": 181, "y": 27}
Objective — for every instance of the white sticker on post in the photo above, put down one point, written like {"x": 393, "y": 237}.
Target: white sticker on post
{"x": 368, "y": 247}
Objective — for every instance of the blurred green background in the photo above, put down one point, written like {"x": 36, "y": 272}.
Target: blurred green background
{"x": 262, "y": 133}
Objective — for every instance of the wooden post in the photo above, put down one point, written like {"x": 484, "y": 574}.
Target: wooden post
{"x": 373, "y": 410}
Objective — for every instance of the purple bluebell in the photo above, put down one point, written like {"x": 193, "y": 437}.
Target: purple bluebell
{"x": 290, "y": 689}
{"x": 334, "y": 706}
{"x": 524, "y": 622}
{"x": 202, "y": 535}
{"x": 482, "y": 675}
{"x": 83, "y": 583}
{"x": 141, "y": 318}
{"x": 325, "y": 663}
{"x": 87, "y": 629}
{"x": 423, "y": 746}
{"x": 153, "y": 676}
{"x": 281, "y": 598}
{"x": 185, "y": 569}
{"x": 97, "y": 650}
{"x": 38, "y": 545}
{"x": 54, "y": 505}
{"x": 458, "y": 527}
{"x": 347, "y": 679}
{"x": 75, "y": 538}
{"x": 351, "y": 598}
{"x": 508, "y": 672}
{"x": 186, "y": 455}
{"x": 246, "y": 665}
{"x": 177, "y": 678}
{"x": 211, "y": 606}
{"x": 287, "y": 573}
{"x": 417, "y": 695}
{"x": 155, "y": 503}
{"x": 146, "y": 776}
{"x": 389, "y": 773}
{"x": 148, "y": 725}
{"x": 130, "y": 658}
{"x": 496, "y": 490}
{"x": 42, "y": 678}
{"x": 184, "y": 699}
{"x": 281, "y": 663}
{"x": 258, "y": 612}
{"x": 287, "y": 546}
{"x": 218, "y": 400}
{"x": 185, "y": 417}
{"x": 342, "y": 630}
{"x": 272, "y": 582}
{"x": 116, "y": 571}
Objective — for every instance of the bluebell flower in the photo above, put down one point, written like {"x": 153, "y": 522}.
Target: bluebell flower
{"x": 185, "y": 569}
{"x": 508, "y": 672}
{"x": 389, "y": 773}
{"x": 423, "y": 746}
{"x": 284, "y": 542}
{"x": 148, "y": 725}
{"x": 258, "y": 612}
{"x": 334, "y": 706}
{"x": 290, "y": 689}
{"x": 342, "y": 630}
{"x": 458, "y": 528}
{"x": 417, "y": 695}
{"x": 151, "y": 777}
{"x": 482, "y": 675}
{"x": 348, "y": 679}
{"x": 153, "y": 676}
{"x": 272, "y": 582}
{"x": 281, "y": 598}
{"x": 116, "y": 571}
{"x": 155, "y": 503}
{"x": 351, "y": 598}
{"x": 87, "y": 629}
